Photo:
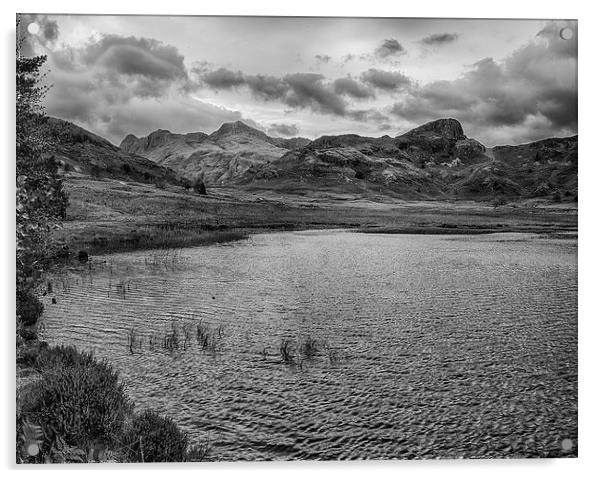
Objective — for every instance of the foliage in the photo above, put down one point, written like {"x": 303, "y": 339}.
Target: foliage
{"x": 199, "y": 187}
{"x": 40, "y": 199}
{"x": 77, "y": 402}
{"x": 153, "y": 438}
{"x": 29, "y": 307}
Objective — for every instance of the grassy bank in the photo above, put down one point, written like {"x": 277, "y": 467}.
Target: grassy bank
{"x": 107, "y": 215}
{"x": 72, "y": 408}
{"x": 159, "y": 236}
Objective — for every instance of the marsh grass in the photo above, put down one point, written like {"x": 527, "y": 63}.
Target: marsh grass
{"x": 287, "y": 351}
{"x": 164, "y": 259}
{"x": 178, "y": 337}
{"x": 162, "y": 236}
{"x": 209, "y": 338}
{"x": 307, "y": 349}
{"x": 134, "y": 340}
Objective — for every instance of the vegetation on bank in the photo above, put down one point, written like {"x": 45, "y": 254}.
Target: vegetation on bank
{"x": 70, "y": 406}
{"x": 40, "y": 200}
{"x": 76, "y": 410}
{"x": 160, "y": 236}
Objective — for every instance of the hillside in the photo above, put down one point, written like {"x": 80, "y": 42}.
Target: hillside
{"x": 222, "y": 157}
{"x": 433, "y": 161}
{"x": 81, "y": 151}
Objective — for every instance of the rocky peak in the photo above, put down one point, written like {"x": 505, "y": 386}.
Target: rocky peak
{"x": 236, "y": 128}
{"x": 449, "y": 128}
{"x": 128, "y": 141}
{"x": 158, "y": 138}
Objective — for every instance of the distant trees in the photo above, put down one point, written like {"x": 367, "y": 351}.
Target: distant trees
{"x": 40, "y": 199}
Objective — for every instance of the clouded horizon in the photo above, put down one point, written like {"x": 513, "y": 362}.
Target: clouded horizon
{"x": 506, "y": 81}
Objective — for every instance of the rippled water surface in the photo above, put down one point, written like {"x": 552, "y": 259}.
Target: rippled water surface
{"x": 425, "y": 346}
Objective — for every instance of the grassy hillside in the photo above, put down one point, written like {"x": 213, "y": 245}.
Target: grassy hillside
{"x": 81, "y": 151}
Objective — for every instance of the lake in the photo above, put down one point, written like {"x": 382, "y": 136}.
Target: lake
{"x": 341, "y": 345}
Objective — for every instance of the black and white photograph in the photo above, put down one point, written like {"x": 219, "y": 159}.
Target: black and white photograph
{"x": 295, "y": 238}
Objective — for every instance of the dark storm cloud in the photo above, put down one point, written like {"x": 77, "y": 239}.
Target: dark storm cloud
{"x": 352, "y": 88}
{"x": 281, "y": 129}
{"x": 297, "y": 90}
{"x": 135, "y": 56}
{"x": 266, "y": 87}
{"x": 309, "y": 90}
{"x": 389, "y": 47}
{"x": 385, "y": 80}
{"x": 533, "y": 90}
{"x": 439, "y": 39}
{"x": 117, "y": 85}
{"x": 223, "y": 79}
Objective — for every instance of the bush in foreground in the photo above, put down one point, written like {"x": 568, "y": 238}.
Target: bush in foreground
{"x": 78, "y": 401}
{"x": 29, "y": 307}
{"x": 153, "y": 438}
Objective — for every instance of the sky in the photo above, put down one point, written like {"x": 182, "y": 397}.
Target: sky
{"x": 506, "y": 81}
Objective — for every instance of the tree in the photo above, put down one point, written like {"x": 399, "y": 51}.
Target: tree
{"x": 199, "y": 187}
{"x": 40, "y": 200}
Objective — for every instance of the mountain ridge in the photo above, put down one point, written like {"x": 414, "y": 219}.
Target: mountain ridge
{"x": 433, "y": 160}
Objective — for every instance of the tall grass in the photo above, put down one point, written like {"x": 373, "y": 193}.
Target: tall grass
{"x": 178, "y": 337}
{"x": 158, "y": 237}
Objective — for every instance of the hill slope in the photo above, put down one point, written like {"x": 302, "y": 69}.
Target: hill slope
{"x": 81, "y": 151}
{"x": 433, "y": 161}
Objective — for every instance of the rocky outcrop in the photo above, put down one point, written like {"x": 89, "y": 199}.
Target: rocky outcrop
{"x": 447, "y": 128}
{"x": 467, "y": 149}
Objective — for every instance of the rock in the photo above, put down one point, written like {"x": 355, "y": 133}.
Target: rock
{"x": 468, "y": 149}
{"x": 82, "y": 256}
{"x": 448, "y": 128}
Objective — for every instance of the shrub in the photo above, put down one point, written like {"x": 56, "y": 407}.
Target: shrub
{"x": 153, "y": 438}
{"x": 199, "y": 187}
{"x": 29, "y": 307}
{"x": 77, "y": 401}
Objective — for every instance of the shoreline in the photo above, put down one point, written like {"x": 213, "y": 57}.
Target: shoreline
{"x": 207, "y": 237}
{"x": 111, "y": 216}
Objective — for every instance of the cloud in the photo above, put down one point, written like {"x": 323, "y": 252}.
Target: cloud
{"x": 323, "y": 58}
{"x": 352, "y": 88}
{"x": 385, "y": 80}
{"x": 223, "y": 79}
{"x": 133, "y": 56}
{"x": 117, "y": 85}
{"x": 438, "y": 39}
{"x": 389, "y": 47}
{"x": 297, "y": 90}
{"x": 267, "y": 87}
{"x": 309, "y": 90}
{"x": 370, "y": 115}
{"x": 281, "y": 129}
{"x": 528, "y": 95}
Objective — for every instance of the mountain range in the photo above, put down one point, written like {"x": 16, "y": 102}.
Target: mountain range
{"x": 433, "y": 161}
